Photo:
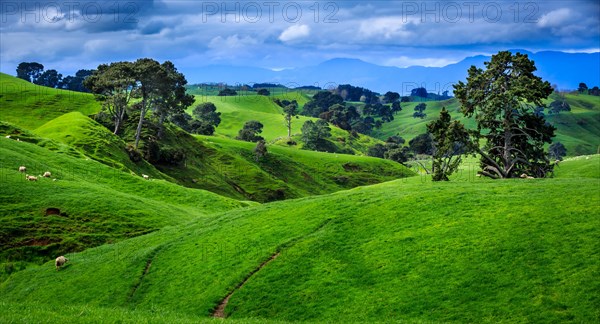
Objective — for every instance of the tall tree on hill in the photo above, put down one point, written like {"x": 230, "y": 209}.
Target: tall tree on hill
{"x": 152, "y": 80}
{"x": 172, "y": 98}
{"x": 289, "y": 112}
{"x": 29, "y": 71}
{"x": 113, "y": 85}
{"x": 502, "y": 98}
{"x": 583, "y": 88}
{"x": 449, "y": 139}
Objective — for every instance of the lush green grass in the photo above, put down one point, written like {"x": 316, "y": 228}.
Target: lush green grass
{"x": 291, "y": 173}
{"x": 96, "y": 141}
{"x": 467, "y": 251}
{"x": 236, "y": 110}
{"x": 99, "y": 204}
{"x": 30, "y": 106}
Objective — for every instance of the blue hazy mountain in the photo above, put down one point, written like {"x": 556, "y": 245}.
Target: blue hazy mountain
{"x": 566, "y": 70}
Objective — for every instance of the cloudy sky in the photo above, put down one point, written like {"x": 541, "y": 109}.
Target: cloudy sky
{"x": 70, "y": 35}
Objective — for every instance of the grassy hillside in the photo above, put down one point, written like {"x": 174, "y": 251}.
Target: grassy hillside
{"x": 96, "y": 142}
{"x": 30, "y": 106}
{"x": 97, "y": 204}
{"x": 467, "y": 251}
{"x": 236, "y": 110}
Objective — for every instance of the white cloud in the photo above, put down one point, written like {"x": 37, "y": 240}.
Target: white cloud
{"x": 231, "y": 42}
{"x": 556, "y": 18}
{"x": 405, "y": 61}
{"x": 386, "y": 27}
{"x": 294, "y": 33}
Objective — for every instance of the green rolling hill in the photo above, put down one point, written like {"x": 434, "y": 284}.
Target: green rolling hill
{"x": 349, "y": 239}
{"x": 399, "y": 251}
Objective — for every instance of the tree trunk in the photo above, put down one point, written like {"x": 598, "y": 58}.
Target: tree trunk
{"x": 161, "y": 121}
{"x": 119, "y": 120}
{"x": 139, "y": 128}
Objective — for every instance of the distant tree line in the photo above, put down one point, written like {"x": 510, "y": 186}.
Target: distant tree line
{"x": 583, "y": 88}
{"x": 34, "y": 72}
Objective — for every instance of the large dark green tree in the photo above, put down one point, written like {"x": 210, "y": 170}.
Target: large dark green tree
{"x": 502, "y": 98}
{"x": 315, "y": 134}
{"x": 250, "y": 131}
{"x": 449, "y": 139}
{"x": 29, "y": 71}
{"x": 172, "y": 98}
{"x": 207, "y": 118}
{"x": 113, "y": 85}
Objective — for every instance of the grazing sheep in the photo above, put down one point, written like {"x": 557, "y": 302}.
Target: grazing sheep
{"x": 523, "y": 176}
{"x": 47, "y": 174}
{"x": 530, "y": 177}
{"x": 60, "y": 261}
{"x": 22, "y": 169}
{"x": 31, "y": 178}
{"x": 18, "y": 140}
{"x": 7, "y": 136}
{"x": 145, "y": 176}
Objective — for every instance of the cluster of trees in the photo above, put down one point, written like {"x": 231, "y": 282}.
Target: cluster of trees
{"x": 34, "y": 72}
{"x": 352, "y": 93}
{"x": 331, "y": 107}
{"x": 139, "y": 88}
{"x": 583, "y": 88}
{"x": 505, "y": 100}
{"x": 422, "y": 93}
{"x": 227, "y": 92}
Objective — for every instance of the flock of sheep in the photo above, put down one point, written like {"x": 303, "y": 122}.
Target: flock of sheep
{"x": 28, "y": 177}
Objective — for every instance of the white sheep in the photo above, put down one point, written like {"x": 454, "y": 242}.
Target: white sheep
{"x": 31, "y": 178}
{"x": 60, "y": 261}
{"x": 145, "y": 176}
{"x": 47, "y": 174}
{"x": 530, "y": 177}
{"x": 523, "y": 176}
{"x": 7, "y": 136}
{"x": 22, "y": 169}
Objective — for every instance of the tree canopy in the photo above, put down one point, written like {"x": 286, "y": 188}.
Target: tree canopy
{"x": 250, "y": 131}
{"x": 502, "y": 99}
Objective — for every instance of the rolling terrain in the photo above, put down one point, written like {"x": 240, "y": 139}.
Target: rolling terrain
{"x": 404, "y": 250}
{"x": 343, "y": 238}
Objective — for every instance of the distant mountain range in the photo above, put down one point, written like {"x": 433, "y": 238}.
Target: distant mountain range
{"x": 566, "y": 70}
